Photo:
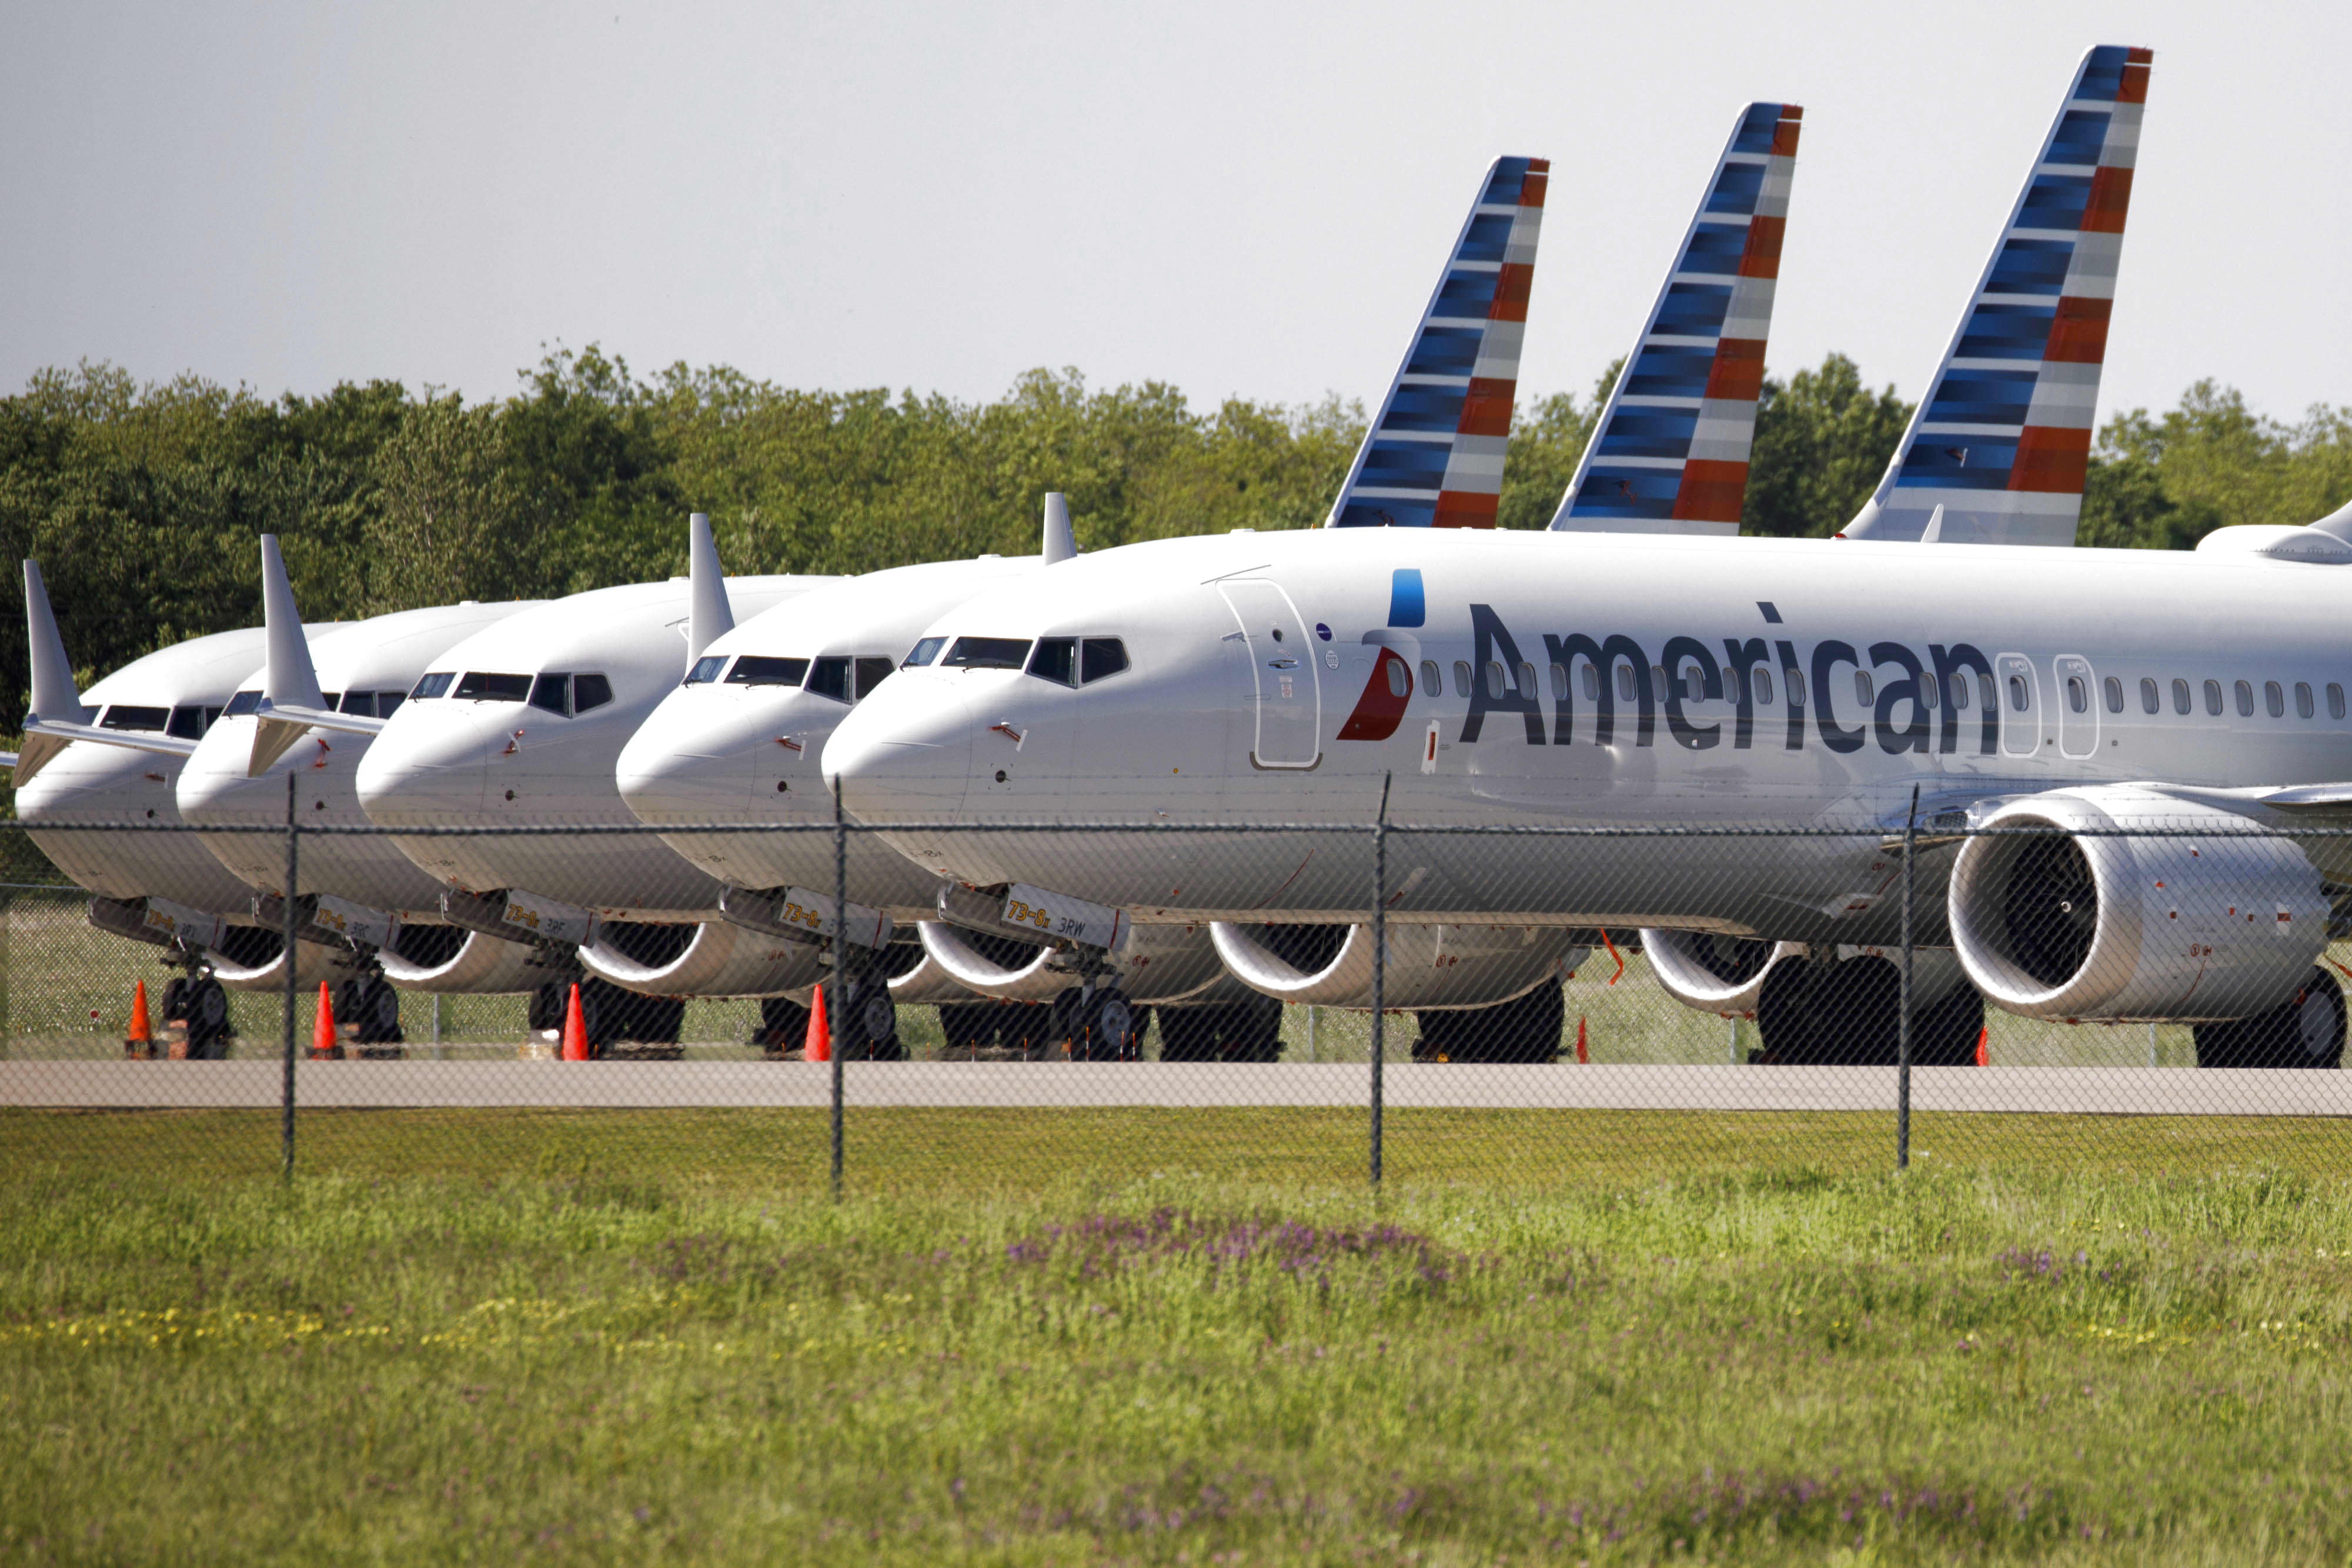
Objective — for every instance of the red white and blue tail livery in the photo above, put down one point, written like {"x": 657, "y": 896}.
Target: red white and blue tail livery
{"x": 1997, "y": 451}
{"x": 1433, "y": 458}
{"x": 1669, "y": 454}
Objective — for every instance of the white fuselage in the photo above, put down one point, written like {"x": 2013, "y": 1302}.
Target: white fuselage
{"x": 178, "y": 691}
{"x": 742, "y": 745}
{"x": 1262, "y": 691}
{"x": 507, "y": 744}
{"x": 367, "y": 669}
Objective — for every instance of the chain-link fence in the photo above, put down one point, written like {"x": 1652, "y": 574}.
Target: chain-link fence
{"x": 1024, "y": 1003}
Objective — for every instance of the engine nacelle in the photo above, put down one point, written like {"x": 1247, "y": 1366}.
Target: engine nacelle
{"x": 451, "y": 961}
{"x": 2079, "y": 917}
{"x": 1430, "y": 966}
{"x": 712, "y": 958}
{"x": 1153, "y": 963}
{"x": 1726, "y": 974}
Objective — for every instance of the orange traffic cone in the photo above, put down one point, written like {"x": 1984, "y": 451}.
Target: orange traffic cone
{"x": 140, "y": 1043}
{"x": 1982, "y": 1060}
{"x": 324, "y": 1047}
{"x": 1580, "y": 1054}
{"x": 575, "y": 1028}
{"x": 818, "y": 1045}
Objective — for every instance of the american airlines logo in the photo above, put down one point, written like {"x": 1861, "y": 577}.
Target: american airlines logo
{"x": 1599, "y": 685}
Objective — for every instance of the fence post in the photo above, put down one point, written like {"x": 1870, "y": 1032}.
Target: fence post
{"x": 293, "y": 867}
{"x": 1903, "y": 1034}
{"x": 837, "y": 1018}
{"x": 1380, "y": 966}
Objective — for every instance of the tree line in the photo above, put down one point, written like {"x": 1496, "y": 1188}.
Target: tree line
{"x": 142, "y": 502}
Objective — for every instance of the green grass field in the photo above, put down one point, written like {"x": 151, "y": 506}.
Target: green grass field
{"x": 652, "y": 1339}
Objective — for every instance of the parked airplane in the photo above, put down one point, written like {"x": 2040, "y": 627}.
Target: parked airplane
{"x": 519, "y": 725}
{"x": 2156, "y": 766}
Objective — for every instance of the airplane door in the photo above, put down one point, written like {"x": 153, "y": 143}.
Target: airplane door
{"x": 2020, "y": 706}
{"x": 2078, "y": 706}
{"x": 1282, "y": 672}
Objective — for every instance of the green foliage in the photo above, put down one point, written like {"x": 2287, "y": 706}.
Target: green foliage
{"x": 1822, "y": 442}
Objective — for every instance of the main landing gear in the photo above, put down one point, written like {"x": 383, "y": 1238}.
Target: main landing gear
{"x": 1848, "y": 1013}
{"x": 2305, "y": 1030}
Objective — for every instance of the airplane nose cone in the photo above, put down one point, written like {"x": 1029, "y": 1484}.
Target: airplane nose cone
{"x": 904, "y": 753}
{"x": 674, "y": 771}
{"x": 418, "y": 774}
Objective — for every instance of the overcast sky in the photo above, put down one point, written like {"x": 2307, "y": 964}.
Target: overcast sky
{"x": 1245, "y": 199}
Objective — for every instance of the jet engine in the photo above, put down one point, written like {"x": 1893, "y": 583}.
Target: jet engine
{"x": 1713, "y": 974}
{"x": 1430, "y": 966}
{"x": 712, "y": 958}
{"x": 449, "y": 960}
{"x": 1154, "y": 964}
{"x": 2072, "y": 914}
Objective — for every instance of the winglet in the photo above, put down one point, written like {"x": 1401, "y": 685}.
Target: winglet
{"x": 1433, "y": 456}
{"x": 1669, "y": 453}
{"x": 1061, "y": 544}
{"x": 54, "y": 696}
{"x": 290, "y": 679}
{"x": 2002, "y": 440}
{"x": 709, "y": 616}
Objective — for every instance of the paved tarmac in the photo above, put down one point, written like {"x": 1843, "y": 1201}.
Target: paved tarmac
{"x": 628, "y": 1085}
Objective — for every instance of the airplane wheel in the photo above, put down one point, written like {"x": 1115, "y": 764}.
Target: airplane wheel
{"x": 204, "y": 1006}
{"x": 871, "y": 1027}
{"x": 2306, "y": 1030}
{"x": 1945, "y": 1034}
{"x": 1065, "y": 1018}
{"x": 1110, "y": 1027}
{"x": 1525, "y": 1029}
{"x": 784, "y": 1026}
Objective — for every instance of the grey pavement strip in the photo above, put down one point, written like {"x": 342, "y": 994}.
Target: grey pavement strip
{"x": 633, "y": 1085}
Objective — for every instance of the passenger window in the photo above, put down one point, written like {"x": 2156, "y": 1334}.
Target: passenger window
{"x": 2150, "y": 699}
{"x": 2245, "y": 700}
{"x": 1400, "y": 681}
{"x": 1461, "y": 678}
{"x": 1862, "y": 691}
{"x": 1494, "y": 681}
{"x": 187, "y": 723}
{"x": 706, "y": 669}
{"x": 759, "y": 670}
{"x": 386, "y": 702}
{"x": 1592, "y": 682}
{"x": 872, "y": 672}
{"x": 484, "y": 687}
{"x": 1625, "y": 683}
{"x": 925, "y": 652}
{"x": 2018, "y": 695}
{"x": 1960, "y": 689}
{"x": 1731, "y": 687}
{"x": 432, "y": 685}
{"x": 2335, "y": 700}
{"x": 2077, "y": 697}
{"x": 1658, "y": 681}
{"x": 1055, "y": 659}
{"x": 1559, "y": 684}
{"x": 829, "y": 678}
{"x": 2303, "y": 708}
{"x": 1527, "y": 682}
{"x": 247, "y": 702}
{"x": 987, "y": 654}
{"x": 590, "y": 692}
{"x": 1795, "y": 679}
{"x": 1764, "y": 688}
{"x": 1101, "y": 656}
{"x": 2179, "y": 695}
{"x": 1433, "y": 680}
{"x": 552, "y": 693}
{"x": 1693, "y": 685}
{"x": 1928, "y": 690}
{"x": 2114, "y": 690}
{"x": 2213, "y": 698}
{"x": 2275, "y": 699}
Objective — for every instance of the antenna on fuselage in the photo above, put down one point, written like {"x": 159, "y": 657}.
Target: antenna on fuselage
{"x": 709, "y": 615}
{"x": 1061, "y": 544}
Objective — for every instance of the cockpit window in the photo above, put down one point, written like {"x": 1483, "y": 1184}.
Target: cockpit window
{"x": 122, "y": 716}
{"x": 1102, "y": 657}
{"x": 706, "y": 669}
{"x": 1055, "y": 660}
{"x": 754, "y": 670}
{"x": 925, "y": 652}
{"x": 387, "y": 701}
{"x": 830, "y": 678}
{"x": 987, "y": 654}
{"x": 589, "y": 690}
{"x": 247, "y": 702}
{"x": 187, "y": 723}
{"x": 553, "y": 693}
{"x": 483, "y": 686}
{"x": 871, "y": 673}
{"x": 359, "y": 703}
{"x": 433, "y": 685}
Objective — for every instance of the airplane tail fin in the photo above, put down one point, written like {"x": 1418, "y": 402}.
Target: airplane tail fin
{"x": 709, "y": 615}
{"x": 1433, "y": 456}
{"x": 54, "y": 695}
{"x": 1669, "y": 453}
{"x": 290, "y": 679}
{"x": 1061, "y": 544}
{"x": 2003, "y": 439}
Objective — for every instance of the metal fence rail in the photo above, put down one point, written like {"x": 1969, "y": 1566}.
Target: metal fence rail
{"x": 1505, "y": 999}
